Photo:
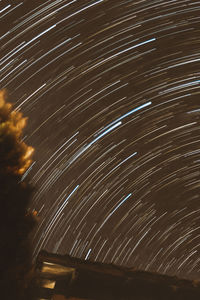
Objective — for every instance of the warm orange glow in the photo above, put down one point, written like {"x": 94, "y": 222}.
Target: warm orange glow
{"x": 12, "y": 124}
{"x": 34, "y": 213}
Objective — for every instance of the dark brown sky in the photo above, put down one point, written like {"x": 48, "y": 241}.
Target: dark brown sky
{"x": 111, "y": 89}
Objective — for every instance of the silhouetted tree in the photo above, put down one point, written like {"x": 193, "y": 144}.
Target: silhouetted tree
{"x": 15, "y": 222}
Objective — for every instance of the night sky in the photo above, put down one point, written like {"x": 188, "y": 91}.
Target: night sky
{"x": 111, "y": 89}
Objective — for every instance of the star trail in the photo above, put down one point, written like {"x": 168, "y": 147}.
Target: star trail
{"x": 111, "y": 89}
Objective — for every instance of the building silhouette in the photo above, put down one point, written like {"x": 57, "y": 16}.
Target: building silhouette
{"x": 65, "y": 277}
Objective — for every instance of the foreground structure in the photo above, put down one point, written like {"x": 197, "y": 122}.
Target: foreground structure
{"x": 63, "y": 277}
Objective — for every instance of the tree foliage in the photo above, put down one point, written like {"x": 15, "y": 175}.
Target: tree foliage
{"x": 15, "y": 222}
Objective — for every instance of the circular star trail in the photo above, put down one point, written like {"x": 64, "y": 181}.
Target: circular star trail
{"x": 111, "y": 89}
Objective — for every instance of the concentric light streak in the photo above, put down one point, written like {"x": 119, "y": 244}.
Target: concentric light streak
{"x": 111, "y": 89}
